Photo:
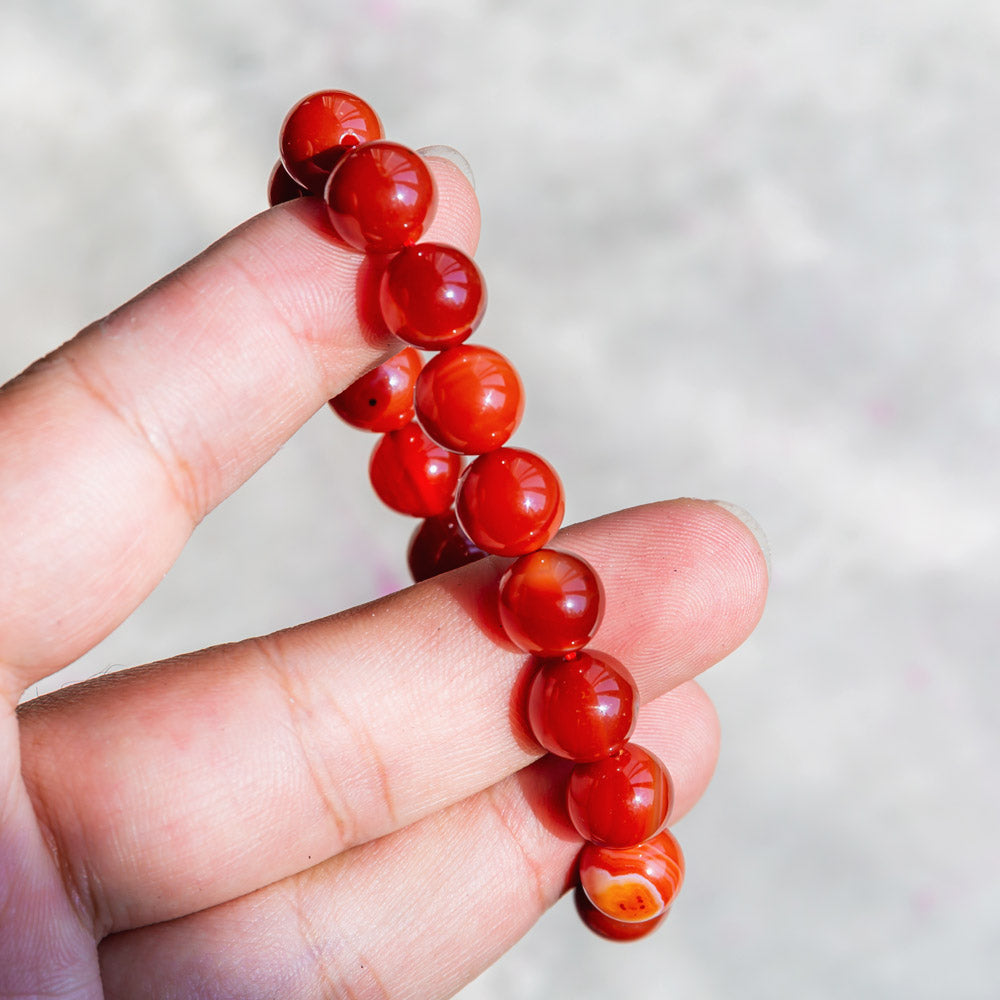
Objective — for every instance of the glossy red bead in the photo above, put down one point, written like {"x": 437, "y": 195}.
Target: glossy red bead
{"x": 510, "y": 502}
{"x": 382, "y": 399}
{"x": 319, "y": 130}
{"x": 380, "y": 197}
{"x": 583, "y": 708}
{"x": 281, "y": 187}
{"x": 551, "y": 602}
{"x": 633, "y": 884}
{"x": 614, "y": 930}
{"x": 439, "y": 545}
{"x": 432, "y": 296}
{"x": 469, "y": 399}
{"x": 622, "y": 800}
{"x": 413, "y": 475}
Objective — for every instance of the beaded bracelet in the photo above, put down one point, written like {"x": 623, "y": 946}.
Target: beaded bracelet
{"x": 467, "y": 401}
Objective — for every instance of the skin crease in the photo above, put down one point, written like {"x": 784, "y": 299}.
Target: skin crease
{"x": 254, "y": 820}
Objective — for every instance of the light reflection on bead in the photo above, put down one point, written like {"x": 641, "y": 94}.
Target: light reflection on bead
{"x": 469, "y": 399}
{"x": 582, "y": 708}
{"x": 380, "y": 197}
{"x": 622, "y": 800}
{"x": 413, "y": 475}
{"x": 319, "y": 130}
{"x": 432, "y": 296}
{"x": 551, "y": 602}
{"x": 510, "y": 502}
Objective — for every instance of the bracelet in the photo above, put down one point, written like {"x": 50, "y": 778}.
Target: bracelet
{"x": 467, "y": 400}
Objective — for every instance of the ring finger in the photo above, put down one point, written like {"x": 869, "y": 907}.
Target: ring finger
{"x": 479, "y": 873}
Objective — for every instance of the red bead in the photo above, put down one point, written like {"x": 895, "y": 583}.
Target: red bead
{"x": 319, "y": 130}
{"x": 439, "y": 545}
{"x": 622, "y": 800}
{"x": 381, "y": 196}
{"x": 551, "y": 603}
{"x": 583, "y": 708}
{"x": 633, "y": 884}
{"x": 510, "y": 502}
{"x": 614, "y": 930}
{"x": 382, "y": 399}
{"x": 432, "y": 296}
{"x": 469, "y": 399}
{"x": 281, "y": 187}
{"x": 413, "y": 475}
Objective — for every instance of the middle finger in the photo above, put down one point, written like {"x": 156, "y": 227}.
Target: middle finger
{"x": 201, "y": 779}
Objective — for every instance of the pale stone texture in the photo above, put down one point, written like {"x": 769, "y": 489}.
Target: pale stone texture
{"x": 762, "y": 238}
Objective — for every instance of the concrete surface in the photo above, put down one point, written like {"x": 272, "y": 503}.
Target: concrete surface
{"x": 760, "y": 240}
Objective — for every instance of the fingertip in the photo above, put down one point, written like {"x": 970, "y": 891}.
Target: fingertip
{"x": 741, "y": 539}
{"x": 719, "y": 534}
{"x": 456, "y": 221}
{"x": 453, "y": 156}
{"x": 753, "y": 526}
{"x": 685, "y": 584}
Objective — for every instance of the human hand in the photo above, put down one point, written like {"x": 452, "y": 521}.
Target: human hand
{"x": 347, "y": 807}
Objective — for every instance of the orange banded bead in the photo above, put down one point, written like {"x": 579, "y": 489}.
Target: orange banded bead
{"x": 633, "y": 884}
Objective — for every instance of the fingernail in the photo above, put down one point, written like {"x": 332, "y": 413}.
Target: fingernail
{"x": 755, "y": 529}
{"x": 452, "y": 155}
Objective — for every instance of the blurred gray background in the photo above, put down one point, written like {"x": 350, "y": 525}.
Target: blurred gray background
{"x": 738, "y": 250}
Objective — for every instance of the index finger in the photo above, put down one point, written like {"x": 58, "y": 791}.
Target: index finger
{"x": 117, "y": 444}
